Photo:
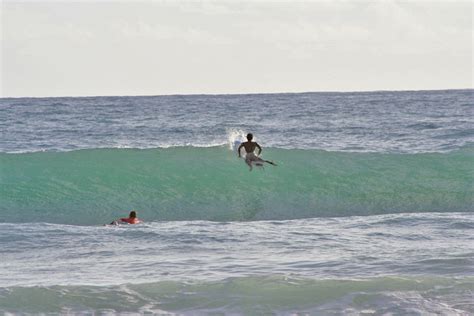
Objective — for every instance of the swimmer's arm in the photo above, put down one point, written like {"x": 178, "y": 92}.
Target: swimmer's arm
{"x": 259, "y": 148}
{"x": 118, "y": 221}
{"x": 238, "y": 149}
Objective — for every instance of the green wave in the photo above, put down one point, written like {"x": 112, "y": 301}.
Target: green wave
{"x": 188, "y": 183}
{"x": 251, "y": 295}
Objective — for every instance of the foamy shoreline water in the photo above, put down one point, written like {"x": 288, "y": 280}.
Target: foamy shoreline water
{"x": 421, "y": 261}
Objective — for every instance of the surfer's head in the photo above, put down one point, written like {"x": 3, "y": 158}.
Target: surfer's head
{"x": 249, "y": 136}
{"x": 133, "y": 214}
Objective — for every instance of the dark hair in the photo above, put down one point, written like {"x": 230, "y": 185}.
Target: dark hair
{"x": 133, "y": 214}
{"x": 249, "y": 136}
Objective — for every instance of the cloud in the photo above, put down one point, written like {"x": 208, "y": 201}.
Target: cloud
{"x": 209, "y": 47}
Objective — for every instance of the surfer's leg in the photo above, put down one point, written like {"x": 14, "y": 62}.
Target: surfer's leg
{"x": 249, "y": 163}
{"x": 270, "y": 162}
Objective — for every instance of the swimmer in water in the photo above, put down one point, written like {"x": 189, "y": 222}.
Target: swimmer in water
{"x": 131, "y": 219}
{"x": 250, "y": 156}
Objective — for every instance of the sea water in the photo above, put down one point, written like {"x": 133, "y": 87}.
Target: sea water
{"x": 369, "y": 211}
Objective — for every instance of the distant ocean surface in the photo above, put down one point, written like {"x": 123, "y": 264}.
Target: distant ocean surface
{"x": 370, "y": 210}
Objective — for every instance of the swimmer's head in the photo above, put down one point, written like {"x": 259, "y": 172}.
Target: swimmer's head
{"x": 133, "y": 214}
{"x": 249, "y": 136}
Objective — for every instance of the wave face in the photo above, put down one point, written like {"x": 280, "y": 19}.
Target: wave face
{"x": 187, "y": 183}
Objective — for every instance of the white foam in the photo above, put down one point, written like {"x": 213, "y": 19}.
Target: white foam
{"x": 234, "y": 138}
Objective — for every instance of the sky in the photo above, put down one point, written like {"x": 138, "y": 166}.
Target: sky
{"x": 90, "y": 48}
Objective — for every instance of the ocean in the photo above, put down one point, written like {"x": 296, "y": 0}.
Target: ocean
{"x": 369, "y": 211}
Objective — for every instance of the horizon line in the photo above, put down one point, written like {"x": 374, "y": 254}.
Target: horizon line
{"x": 232, "y": 94}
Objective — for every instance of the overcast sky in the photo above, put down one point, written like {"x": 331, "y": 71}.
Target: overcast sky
{"x": 59, "y": 48}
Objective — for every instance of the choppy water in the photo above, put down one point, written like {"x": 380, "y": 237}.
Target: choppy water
{"x": 220, "y": 239}
{"x": 388, "y": 263}
{"x": 419, "y": 121}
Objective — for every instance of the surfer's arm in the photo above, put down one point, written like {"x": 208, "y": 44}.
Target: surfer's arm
{"x": 119, "y": 220}
{"x": 259, "y": 148}
{"x": 238, "y": 149}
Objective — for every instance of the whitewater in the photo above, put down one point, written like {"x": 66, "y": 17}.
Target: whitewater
{"x": 370, "y": 210}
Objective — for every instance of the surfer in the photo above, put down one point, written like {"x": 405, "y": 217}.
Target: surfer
{"x": 250, "y": 156}
{"x": 131, "y": 219}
